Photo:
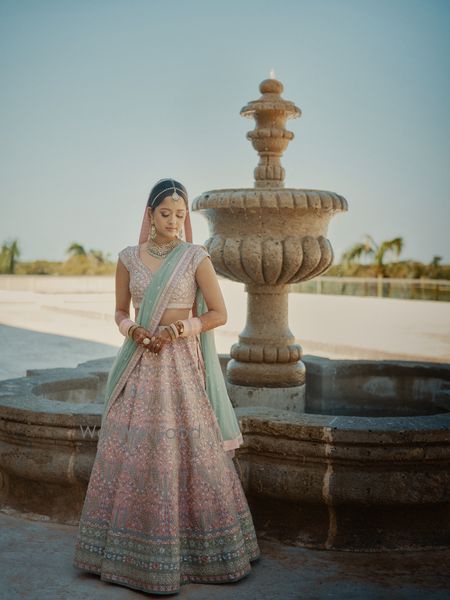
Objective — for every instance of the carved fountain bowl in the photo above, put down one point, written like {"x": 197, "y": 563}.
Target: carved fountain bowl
{"x": 296, "y": 249}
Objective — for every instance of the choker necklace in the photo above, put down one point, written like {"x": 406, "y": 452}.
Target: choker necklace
{"x": 161, "y": 250}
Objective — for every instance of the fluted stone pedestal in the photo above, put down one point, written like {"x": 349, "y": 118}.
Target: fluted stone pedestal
{"x": 266, "y": 367}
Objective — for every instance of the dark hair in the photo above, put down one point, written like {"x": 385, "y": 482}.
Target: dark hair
{"x": 166, "y": 185}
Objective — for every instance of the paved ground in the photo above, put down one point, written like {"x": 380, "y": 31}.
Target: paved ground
{"x": 36, "y": 565}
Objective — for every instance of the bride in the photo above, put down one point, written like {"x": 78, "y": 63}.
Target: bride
{"x": 164, "y": 505}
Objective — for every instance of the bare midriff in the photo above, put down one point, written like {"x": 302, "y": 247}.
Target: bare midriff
{"x": 170, "y": 315}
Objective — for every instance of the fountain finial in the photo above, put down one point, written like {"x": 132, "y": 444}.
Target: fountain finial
{"x": 270, "y": 138}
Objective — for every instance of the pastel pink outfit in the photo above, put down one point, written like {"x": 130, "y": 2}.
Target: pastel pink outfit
{"x": 164, "y": 505}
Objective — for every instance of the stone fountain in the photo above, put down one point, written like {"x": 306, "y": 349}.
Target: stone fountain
{"x": 337, "y": 454}
{"x": 268, "y": 237}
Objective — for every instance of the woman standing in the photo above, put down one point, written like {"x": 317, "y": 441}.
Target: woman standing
{"x": 164, "y": 505}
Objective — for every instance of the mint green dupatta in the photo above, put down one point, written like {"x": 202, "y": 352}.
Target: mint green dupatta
{"x": 153, "y": 304}
{"x": 215, "y": 384}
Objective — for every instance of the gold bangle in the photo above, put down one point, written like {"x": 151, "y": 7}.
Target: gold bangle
{"x": 174, "y": 330}
{"x": 171, "y": 332}
{"x": 132, "y": 330}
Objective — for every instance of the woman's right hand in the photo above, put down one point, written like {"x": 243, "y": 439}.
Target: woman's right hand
{"x": 139, "y": 334}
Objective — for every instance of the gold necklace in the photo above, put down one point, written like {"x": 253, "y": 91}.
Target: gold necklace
{"x": 161, "y": 250}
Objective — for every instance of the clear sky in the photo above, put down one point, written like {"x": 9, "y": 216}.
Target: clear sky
{"x": 101, "y": 98}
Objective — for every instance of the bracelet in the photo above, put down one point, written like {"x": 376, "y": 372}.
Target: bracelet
{"x": 132, "y": 330}
{"x": 174, "y": 330}
{"x": 171, "y": 332}
{"x": 185, "y": 327}
{"x": 191, "y": 326}
{"x": 125, "y": 325}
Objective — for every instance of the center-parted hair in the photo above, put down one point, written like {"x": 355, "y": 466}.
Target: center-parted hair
{"x": 164, "y": 188}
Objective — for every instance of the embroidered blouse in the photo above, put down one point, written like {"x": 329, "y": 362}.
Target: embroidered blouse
{"x": 183, "y": 295}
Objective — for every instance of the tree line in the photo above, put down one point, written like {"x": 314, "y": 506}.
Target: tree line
{"x": 79, "y": 261}
{"x": 362, "y": 259}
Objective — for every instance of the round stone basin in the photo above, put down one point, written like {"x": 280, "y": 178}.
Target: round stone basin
{"x": 369, "y": 388}
{"x": 49, "y": 424}
{"x": 77, "y": 391}
{"x": 365, "y": 466}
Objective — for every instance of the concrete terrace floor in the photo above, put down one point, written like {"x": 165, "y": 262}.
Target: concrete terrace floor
{"x": 46, "y": 330}
{"x": 36, "y": 564}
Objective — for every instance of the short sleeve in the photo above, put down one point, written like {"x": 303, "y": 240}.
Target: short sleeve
{"x": 199, "y": 256}
{"x": 124, "y": 256}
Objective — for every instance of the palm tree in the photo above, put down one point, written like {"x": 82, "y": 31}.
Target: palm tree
{"x": 76, "y": 250}
{"x": 435, "y": 269}
{"x": 370, "y": 248}
{"x": 97, "y": 255}
{"x": 435, "y": 261}
{"x": 9, "y": 253}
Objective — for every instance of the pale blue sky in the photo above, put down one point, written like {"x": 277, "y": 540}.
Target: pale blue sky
{"x": 101, "y": 98}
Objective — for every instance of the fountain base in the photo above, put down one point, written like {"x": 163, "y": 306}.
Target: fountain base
{"x": 364, "y": 466}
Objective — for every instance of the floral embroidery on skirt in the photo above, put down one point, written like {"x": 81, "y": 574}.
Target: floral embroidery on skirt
{"x": 164, "y": 505}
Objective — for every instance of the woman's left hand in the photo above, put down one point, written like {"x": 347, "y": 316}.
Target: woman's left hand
{"x": 160, "y": 341}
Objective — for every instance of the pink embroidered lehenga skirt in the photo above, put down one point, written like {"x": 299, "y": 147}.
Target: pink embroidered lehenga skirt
{"x": 164, "y": 504}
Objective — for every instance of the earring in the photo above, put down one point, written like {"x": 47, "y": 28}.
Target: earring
{"x": 153, "y": 232}
{"x": 181, "y": 233}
